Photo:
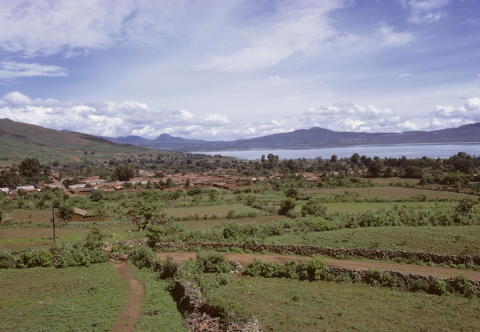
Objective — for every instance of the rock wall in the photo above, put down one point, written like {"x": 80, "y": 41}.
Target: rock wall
{"x": 407, "y": 279}
{"x": 304, "y": 250}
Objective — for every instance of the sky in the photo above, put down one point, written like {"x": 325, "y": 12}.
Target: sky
{"x": 226, "y": 70}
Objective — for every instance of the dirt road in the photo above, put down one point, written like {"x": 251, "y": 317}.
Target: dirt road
{"x": 244, "y": 259}
{"x": 133, "y": 311}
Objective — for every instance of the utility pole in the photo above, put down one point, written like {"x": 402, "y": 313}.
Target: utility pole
{"x": 53, "y": 223}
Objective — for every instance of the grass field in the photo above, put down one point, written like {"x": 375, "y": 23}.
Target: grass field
{"x": 220, "y": 210}
{"x": 72, "y": 299}
{"x": 34, "y": 216}
{"x": 17, "y": 237}
{"x": 390, "y": 193}
{"x": 290, "y": 305}
{"x": 451, "y": 240}
{"x": 159, "y": 309}
{"x": 363, "y": 207}
{"x": 396, "y": 179}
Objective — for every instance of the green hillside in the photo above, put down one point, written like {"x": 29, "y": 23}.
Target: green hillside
{"x": 20, "y": 140}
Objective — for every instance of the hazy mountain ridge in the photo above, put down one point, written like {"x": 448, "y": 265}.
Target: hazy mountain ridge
{"x": 314, "y": 137}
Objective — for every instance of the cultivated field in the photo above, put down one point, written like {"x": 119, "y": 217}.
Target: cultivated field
{"x": 389, "y": 193}
{"x": 71, "y": 299}
{"x": 289, "y": 305}
{"x": 447, "y": 240}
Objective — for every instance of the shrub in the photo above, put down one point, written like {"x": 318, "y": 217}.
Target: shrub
{"x": 438, "y": 287}
{"x": 142, "y": 257}
{"x": 154, "y": 234}
{"x": 287, "y": 205}
{"x": 313, "y": 208}
{"x": 230, "y": 214}
{"x": 41, "y": 257}
{"x": 23, "y": 259}
{"x": 94, "y": 237}
{"x": 231, "y": 231}
{"x": 213, "y": 263}
{"x": 168, "y": 269}
{"x": 315, "y": 269}
{"x": 66, "y": 259}
{"x": 7, "y": 260}
{"x": 464, "y": 287}
{"x": 420, "y": 285}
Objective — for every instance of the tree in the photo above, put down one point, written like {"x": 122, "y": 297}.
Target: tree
{"x": 97, "y": 195}
{"x": 291, "y": 192}
{"x": 123, "y": 173}
{"x": 104, "y": 174}
{"x": 287, "y": 205}
{"x": 29, "y": 167}
{"x": 375, "y": 168}
{"x": 334, "y": 158}
{"x": 9, "y": 178}
{"x": 355, "y": 158}
{"x": 66, "y": 212}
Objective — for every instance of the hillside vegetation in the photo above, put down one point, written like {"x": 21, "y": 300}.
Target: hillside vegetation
{"x": 20, "y": 140}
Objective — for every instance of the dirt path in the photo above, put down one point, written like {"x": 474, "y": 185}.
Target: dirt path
{"x": 244, "y": 259}
{"x": 133, "y": 311}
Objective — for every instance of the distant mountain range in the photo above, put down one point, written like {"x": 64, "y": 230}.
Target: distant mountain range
{"x": 306, "y": 138}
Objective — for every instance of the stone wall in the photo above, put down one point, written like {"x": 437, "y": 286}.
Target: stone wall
{"x": 304, "y": 250}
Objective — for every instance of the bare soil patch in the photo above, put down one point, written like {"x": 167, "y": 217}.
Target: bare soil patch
{"x": 245, "y": 259}
{"x": 126, "y": 322}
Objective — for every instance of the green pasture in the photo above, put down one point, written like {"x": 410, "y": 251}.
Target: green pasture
{"x": 448, "y": 240}
{"x": 159, "y": 309}
{"x": 71, "y": 299}
{"x": 220, "y": 210}
{"x": 371, "y": 206}
{"x": 390, "y": 193}
{"x": 290, "y": 305}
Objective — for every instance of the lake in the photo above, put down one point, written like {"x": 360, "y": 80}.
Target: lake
{"x": 394, "y": 151}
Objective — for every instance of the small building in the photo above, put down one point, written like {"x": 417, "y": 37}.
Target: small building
{"x": 82, "y": 215}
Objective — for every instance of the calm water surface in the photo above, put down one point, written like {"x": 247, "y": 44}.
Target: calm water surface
{"x": 394, "y": 151}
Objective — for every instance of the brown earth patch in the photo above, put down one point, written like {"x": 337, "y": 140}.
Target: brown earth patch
{"x": 245, "y": 259}
{"x": 126, "y": 322}
{"x": 75, "y": 158}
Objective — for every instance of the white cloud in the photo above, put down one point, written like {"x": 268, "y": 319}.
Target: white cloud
{"x": 403, "y": 75}
{"x": 291, "y": 29}
{"x": 73, "y": 27}
{"x": 391, "y": 38}
{"x": 129, "y": 118}
{"x": 426, "y": 11}
{"x": 12, "y": 69}
{"x": 277, "y": 80}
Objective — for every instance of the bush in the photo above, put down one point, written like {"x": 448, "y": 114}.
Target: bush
{"x": 230, "y": 214}
{"x": 154, "y": 234}
{"x": 420, "y": 285}
{"x": 41, "y": 257}
{"x": 315, "y": 269}
{"x": 231, "y": 231}
{"x": 168, "y": 269}
{"x": 142, "y": 257}
{"x": 94, "y": 237}
{"x": 464, "y": 287}
{"x": 213, "y": 263}
{"x": 313, "y": 208}
{"x": 23, "y": 259}
{"x": 438, "y": 287}
{"x": 7, "y": 260}
{"x": 287, "y": 205}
